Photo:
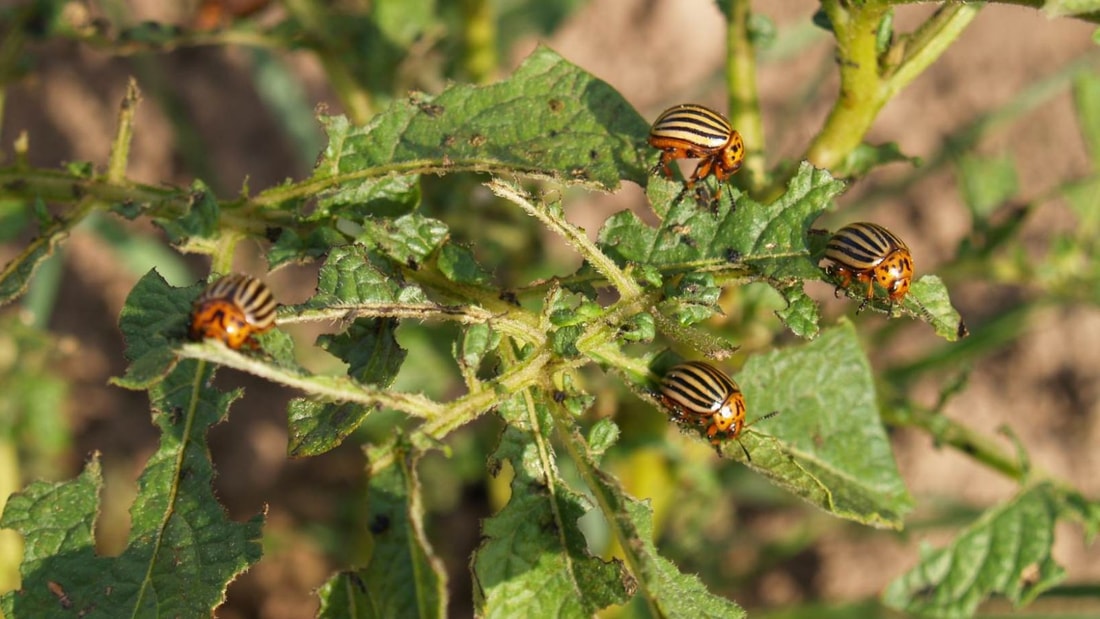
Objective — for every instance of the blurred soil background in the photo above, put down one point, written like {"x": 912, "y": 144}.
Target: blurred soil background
{"x": 1045, "y": 385}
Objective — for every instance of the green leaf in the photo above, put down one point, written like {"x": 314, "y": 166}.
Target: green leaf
{"x": 407, "y": 239}
{"x": 389, "y": 196}
{"x": 563, "y": 340}
{"x": 147, "y": 370}
{"x": 344, "y": 596}
{"x": 986, "y": 182}
{"x": 350, "y": 279}
{"x": 1086, "y": 99}
{"x": 770, "y": 239}
{"x": 374, "y": 357}
{"x": 533, "y": 560}
{"x": 183, "y": 549}
{"x": 638, "y": 328}
{"x": 478, "y": 341}
{"x": 459, "y": 265}
{"x": 201, "y": 220}
{"x": 1007, "y": 551}
{"x": 832, "y": 449}
{"x": 770, "y": 242}
{"x": 315, "y": 428}
{"x": 1087, "y": 512}
{"x": 370, "y": 348}
{"x": 16, "y": 275}
{"x": 549, "y": 118}
{"x": 290, "y": 247}
{"x": 694, "y": 298}
{"x": 403, "y": 577}
{"x": 153, "y": 322}
{"x": 155, "y": 315}
{"x": 602, "y": 435}
{"x": 928, "y": 300}
{"x": 802, "y": 314}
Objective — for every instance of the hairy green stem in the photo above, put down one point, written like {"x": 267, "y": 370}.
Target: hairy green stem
{"x": 744, "y": 99}
{"x": 120, "y": 148}
{"x": 864, "y": 89}
{"x": 627, "y": 287}
{"x": 861, "y": 90}
{"x": 959, "y": 436}
{"x": 522, "y": 330}
{"x": 929, "y": 42}
{"x": 479, "y": 29}
{"x": 336, "y": 388}
{"x": 1091, "y": 16}
{"x": 531, "y": 371}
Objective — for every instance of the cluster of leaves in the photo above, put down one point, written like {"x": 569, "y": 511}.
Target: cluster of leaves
{"x": 523, "y": 351}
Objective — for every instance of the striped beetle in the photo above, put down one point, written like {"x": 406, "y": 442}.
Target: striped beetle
{"x": 696, "y": 391}
{"x": 232, "y": 309}
{"x": 870, "y": 253}
{"x": 691, "y": 131}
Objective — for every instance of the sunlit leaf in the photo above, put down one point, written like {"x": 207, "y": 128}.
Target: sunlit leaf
{"x": 1006, "y": 551}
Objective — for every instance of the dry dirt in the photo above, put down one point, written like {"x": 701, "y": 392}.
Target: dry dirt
{"x": 656, "y": 54}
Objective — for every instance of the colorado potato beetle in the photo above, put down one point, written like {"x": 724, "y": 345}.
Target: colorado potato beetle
{"x": 232, "y": 309}
{"x": 691, "y": 131}
{"x": 870, "y": 253}
{"x": 698, "y": 392}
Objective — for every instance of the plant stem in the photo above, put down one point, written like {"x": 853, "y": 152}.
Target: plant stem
{"x": 120, "y": 149}
{"x": 929, "y": 42}
{"x": 744, "y": 99}
{"x": 950, "y": 432}
{"x": 863, "y": 89}
{"x": 522, "y": 330}
{"x": 479, "y": 52}
{"x": 531, "y": 371}
{"x": 627, "y": 287}
{"x": 336, "y": 388}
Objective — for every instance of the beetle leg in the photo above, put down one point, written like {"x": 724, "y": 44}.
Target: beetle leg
{"x": 701, "y": 171}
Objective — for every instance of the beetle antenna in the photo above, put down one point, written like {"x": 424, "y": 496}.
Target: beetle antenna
{"x": 759, "y": 419}
{"x": 748, "y": 457}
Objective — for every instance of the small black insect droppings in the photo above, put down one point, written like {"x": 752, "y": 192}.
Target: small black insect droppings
{"x": 962, "y": 331}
